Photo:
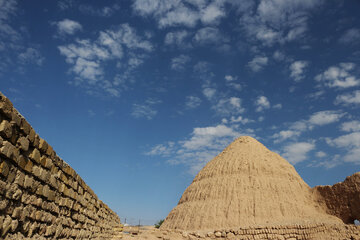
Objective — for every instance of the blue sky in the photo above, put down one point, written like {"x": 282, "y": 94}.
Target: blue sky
{"x": 138, "y": 95}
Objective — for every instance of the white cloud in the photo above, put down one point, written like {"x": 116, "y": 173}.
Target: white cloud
{"x": 230, "y": 78}
{"x": 178, "y": 63}
{"x": 177, "y": 38}
{"x": 317, "y": 119}
{"x": 88, "y": 58}
{"x": 13, "y": 46}
{"x": 240, "y": 119}
{"x": 328, "y": 163}
{"x": 170, "y": 13}
{"x": 277, "y": 106}
{"x": 86, "y": 50}
{"x": 320, "y": 118}
{"x": 339, "y": 76}
{"x": 202, "y": 67}
{"x": 208, "y": 35}
{"x": 209, "y": 93}
{"x": 348, "y": 140}
{"x": 145, "y": 110}
{"x": 203, "y": 137}
{"x": 7, "y": 9}
{"x": 231, "y": 82}
{"x": 348, "y": 98}
{"x": 236, "y": 102}
{"x": 167, "y": 13}
{"x": 262, "y": 103}
{"x": 297, "y": 152}
{"x": 192, "y": 102}
{"x": 68, "y": 26}
{"x": 106, "y": 11}
{"x": 351, "y": 143}
{"x": 179, "y": 16}
{"x": 203, "y": 144}
{"x": 65, "y": 4}
{"x": 285, "y": 134}
{"x": 258, "y": 63}
{"x": 352, "y": 126}
{"x": 89, "y": 70}
{"x": 279, "y": 56}
{"x": 297, "y": 69}
{"x": 277, "y": 21}
{"x": 353, "y": 156}
{"x": 31, "y": 55}
{"x": 126, "y": 36}
{"x": 162, "y": 149}
{"x": 212, "y": 13}
{"x": 325, "y": 117}
{"x": 228, "y": 106}
{"x": 301, "y": 125}
{"x": 316, "y": 95}
{"x": 135, "y": 61}
{"x": 321, "y": 154}
{"x": 351, "y": 36}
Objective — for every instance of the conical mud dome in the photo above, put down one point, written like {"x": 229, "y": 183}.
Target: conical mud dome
{"x": 246, "y": 185}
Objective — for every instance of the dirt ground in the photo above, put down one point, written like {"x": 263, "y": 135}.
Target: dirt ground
{"x": 148, "y": 232}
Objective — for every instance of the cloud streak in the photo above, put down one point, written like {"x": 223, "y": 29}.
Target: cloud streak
{"x": 68, "y": 27}
{"x": 88, "y": 58}
{"x": 180, "y": 13}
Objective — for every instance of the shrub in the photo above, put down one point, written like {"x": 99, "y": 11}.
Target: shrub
{"x": 158, "y": 224}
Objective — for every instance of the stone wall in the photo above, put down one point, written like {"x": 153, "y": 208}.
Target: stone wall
{"x": 41, "y": 196}
{"x": 289, "y": 232}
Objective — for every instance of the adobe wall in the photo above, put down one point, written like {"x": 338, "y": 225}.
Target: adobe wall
{"x": 342, "y": 199}
{"x": 281, "y": 232}
{"x": 41, "y": 196}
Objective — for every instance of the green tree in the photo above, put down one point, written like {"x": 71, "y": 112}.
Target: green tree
{"x": 158, "y": 224}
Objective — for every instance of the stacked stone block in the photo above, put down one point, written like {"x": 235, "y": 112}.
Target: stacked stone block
{"x": 281, "y": 232}
{"x": 41, "y": 196}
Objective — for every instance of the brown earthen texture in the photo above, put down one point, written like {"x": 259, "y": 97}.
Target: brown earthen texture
{"x": 41, "y": 196}
{"x": 249, "y": 186}
{"x": 342, "y": 199}
{"x": 281, "y": 232}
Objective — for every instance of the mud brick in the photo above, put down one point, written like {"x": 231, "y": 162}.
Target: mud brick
{"x": 5, "y": 105}
{"x": 6, "y": 129}
{"x": 21, "y": 161}
{"x": 36, "y": 141}
{"x": 23, "y": 143}
{"x": 35, "y": 155}
{"x": 20, "y": 178}
{"x": 29, "y": 166}
{"x": 4, "y": 168}
{"x": 43, "y": 145}
{"x": 7, "y": 149}
{"x": 25, "y": 126}
{"x": 16, "y": 118}
{"x": 28, "y": 182}
{"x": 49, "y": 151}
{"x": 31, "y": 135}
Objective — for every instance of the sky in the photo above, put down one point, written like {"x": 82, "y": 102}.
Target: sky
{"x": 137, "y": 96}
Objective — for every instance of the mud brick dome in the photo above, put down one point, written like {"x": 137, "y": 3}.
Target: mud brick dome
{"x": 248, "y": 186}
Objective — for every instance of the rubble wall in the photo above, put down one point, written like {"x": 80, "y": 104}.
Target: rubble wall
{"x": 281, "y": 232}
{"x": 41, "y": 196}
{"x": 342, "y": 199}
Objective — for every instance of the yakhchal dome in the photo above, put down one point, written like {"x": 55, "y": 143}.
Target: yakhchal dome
{"x": 249, "y": 185}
